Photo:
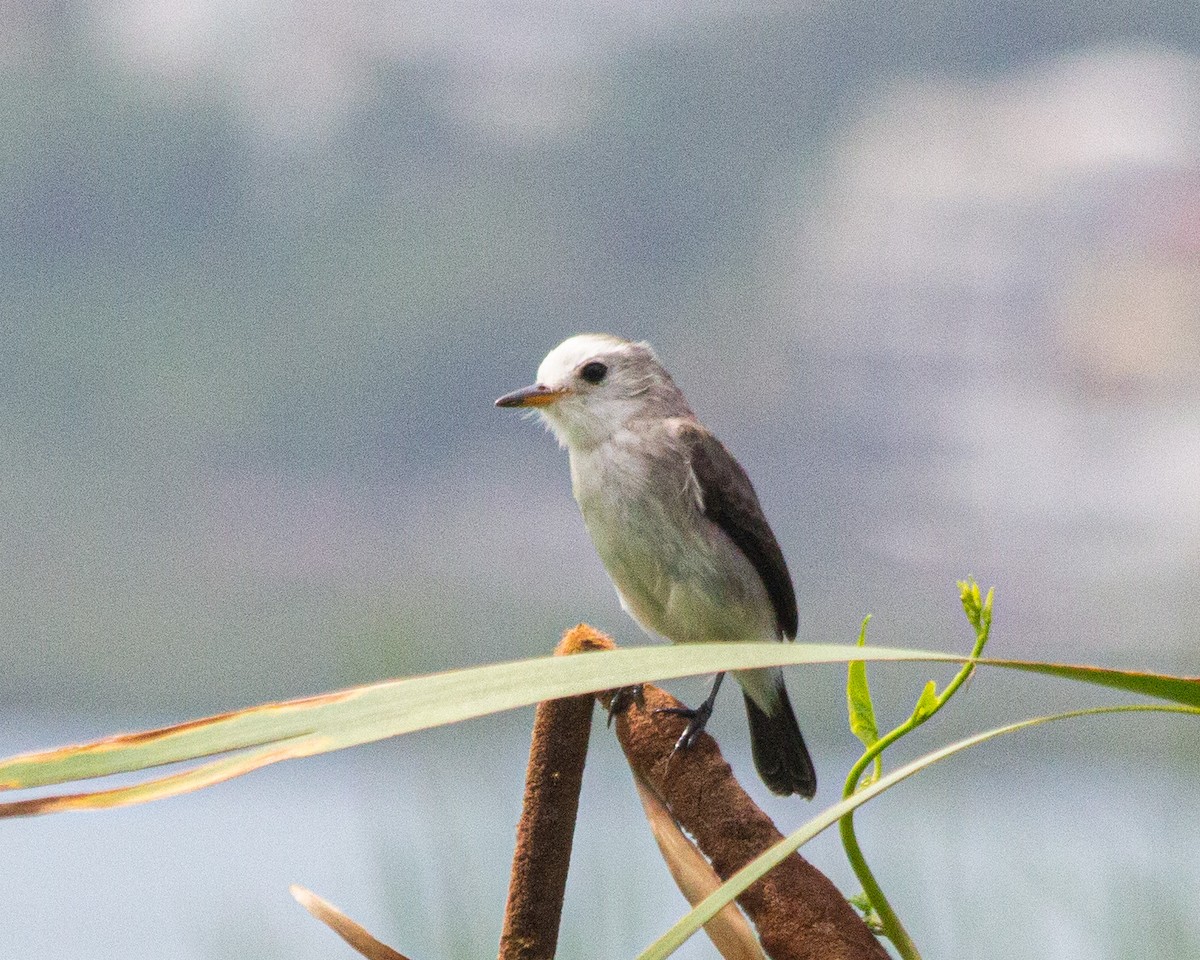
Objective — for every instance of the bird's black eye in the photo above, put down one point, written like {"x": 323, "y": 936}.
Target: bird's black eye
{"x": 593, "y": 372}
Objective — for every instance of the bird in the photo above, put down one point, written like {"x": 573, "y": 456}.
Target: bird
{"x": 678, "y": 526}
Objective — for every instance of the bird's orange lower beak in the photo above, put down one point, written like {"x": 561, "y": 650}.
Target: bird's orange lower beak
{"x": 536, "y": 395}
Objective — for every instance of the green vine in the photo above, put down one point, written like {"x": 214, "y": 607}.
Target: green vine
{"x": 876, "y": 909}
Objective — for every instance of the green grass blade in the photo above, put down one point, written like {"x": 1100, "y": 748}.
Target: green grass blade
{"x": 364, "y": 714}
{"x": 1185, "y": 690}
{"x": 367, "y": 713}
{"x": 669, "y": 942}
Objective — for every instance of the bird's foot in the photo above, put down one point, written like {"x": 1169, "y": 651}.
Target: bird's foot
{"x": 697, "y": 721}
{"x": 623, "y": 698}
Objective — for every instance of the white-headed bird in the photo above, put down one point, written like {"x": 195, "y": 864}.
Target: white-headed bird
{"x": 678, "y": 525}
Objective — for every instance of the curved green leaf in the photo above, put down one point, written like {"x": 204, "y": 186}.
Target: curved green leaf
{"x": 670, "y": 941}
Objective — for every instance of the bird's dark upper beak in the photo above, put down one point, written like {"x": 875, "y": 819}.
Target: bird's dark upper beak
{"x": 537, "y": 395}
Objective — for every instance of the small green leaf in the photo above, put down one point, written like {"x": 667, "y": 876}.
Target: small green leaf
{"x": 927, "y": 703}
{"x": 862, "y": 903}
{"x": 858, "y": 697}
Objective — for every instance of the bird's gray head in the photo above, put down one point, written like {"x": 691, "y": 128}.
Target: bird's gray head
{"x": 592, "y": 385}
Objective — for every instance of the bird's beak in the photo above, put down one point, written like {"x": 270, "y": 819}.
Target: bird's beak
{"x": 536, "y": 395}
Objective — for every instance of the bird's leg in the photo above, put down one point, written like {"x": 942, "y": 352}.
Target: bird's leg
{"x": 623, "y": 698}
{"x": 698, "y": 718}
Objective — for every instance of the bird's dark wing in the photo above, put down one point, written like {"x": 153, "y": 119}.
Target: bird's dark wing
{"x": 728, "y": 500}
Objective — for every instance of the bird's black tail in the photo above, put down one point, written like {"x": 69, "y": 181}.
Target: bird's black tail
{"x": 780, "y": 755}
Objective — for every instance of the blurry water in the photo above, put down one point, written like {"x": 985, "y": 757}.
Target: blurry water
{"x": 994, "y": 856}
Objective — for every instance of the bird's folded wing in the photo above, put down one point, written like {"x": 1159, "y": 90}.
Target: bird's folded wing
{"x": 728, "y": 499}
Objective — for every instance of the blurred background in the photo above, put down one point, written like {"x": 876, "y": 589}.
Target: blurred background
{"x": 931, "y": 270}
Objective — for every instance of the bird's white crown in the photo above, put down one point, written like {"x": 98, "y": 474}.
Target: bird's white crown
{"x": 603, "y": 382}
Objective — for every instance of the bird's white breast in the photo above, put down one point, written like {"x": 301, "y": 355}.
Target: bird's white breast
{"x": 676, "y": 572}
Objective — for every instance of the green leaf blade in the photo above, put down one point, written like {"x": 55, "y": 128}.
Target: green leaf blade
{"x": 364, "y": 714}
{"x": 670, "y": 941}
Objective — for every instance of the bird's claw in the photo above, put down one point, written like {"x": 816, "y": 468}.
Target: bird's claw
{"x": 697, "y": 721}
{"x": 623, "y": 698}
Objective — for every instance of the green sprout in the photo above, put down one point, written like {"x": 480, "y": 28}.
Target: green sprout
{"x": 876, "y": 909}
